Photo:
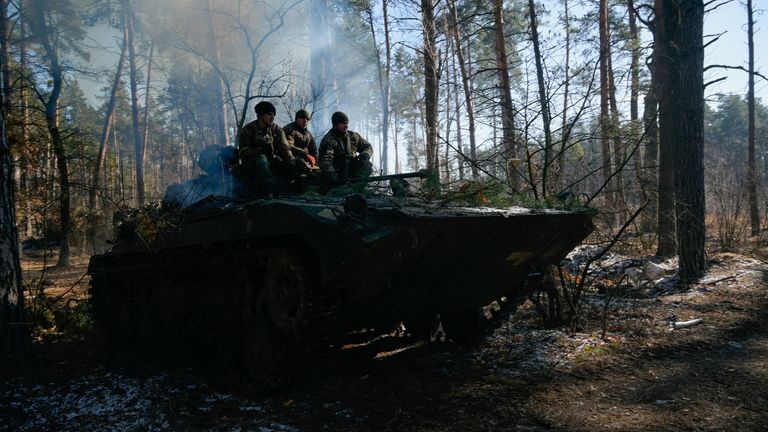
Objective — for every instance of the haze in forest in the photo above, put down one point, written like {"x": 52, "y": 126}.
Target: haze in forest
{"x": 515, "y": 93}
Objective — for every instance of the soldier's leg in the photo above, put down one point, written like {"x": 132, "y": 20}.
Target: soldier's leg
{"x": 360, "y": 168}
{"x": 262, "y": 176}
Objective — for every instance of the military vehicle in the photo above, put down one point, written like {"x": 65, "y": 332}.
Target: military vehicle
{"x": 257, "y": 282}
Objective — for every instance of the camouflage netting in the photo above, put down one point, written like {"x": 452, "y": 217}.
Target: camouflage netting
{"x": 146, "y": 222}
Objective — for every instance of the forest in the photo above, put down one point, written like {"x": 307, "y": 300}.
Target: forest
{"x": 620, "y": 106}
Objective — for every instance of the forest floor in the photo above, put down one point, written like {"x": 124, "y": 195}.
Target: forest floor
{"x": 642, "y": 375}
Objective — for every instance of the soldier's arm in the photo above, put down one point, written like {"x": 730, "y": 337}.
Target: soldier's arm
{"x": 246, "y": 146}
{"x": 326, "y": 156}
{"x": 246, "y": 138}
{"x": 312, "y": 146}
{"x": 364, "y": 147}
{"x": 291, "y": 135}
{"x": 282, "y": 148}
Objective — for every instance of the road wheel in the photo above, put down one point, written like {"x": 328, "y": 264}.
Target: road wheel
{"x": 287, "y": 285}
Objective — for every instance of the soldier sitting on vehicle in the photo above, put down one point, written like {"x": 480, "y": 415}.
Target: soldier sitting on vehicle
{"x": 300, "y": 139}
{"x": 263, "y": 151}
{"x": 344, "y": 155}
{"x": 216, "y": 161}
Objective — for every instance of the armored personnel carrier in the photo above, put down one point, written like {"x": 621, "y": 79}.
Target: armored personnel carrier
{"x": 256, "y": 282}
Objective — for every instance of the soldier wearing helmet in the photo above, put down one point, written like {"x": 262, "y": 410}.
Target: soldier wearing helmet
{"x": 263, "y": 150}
{"x": 344, "y": 154}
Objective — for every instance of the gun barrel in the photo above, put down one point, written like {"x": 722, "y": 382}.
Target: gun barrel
{"x": 419, "y": 174}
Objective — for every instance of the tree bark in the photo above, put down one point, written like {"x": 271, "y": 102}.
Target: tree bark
{"x": 619, "y": 200}
{"x": 634, "y": 89}
{"x": 221, "y": 112}
{"x": 5, "y": 53}
{"x": 465, "y": 81}
{"x": 681, "y": 123}
{"x": 543, "y": 102}
{"x": 52, "y": 122}
{"x": 383, "y": 78}
{"x": 459, "y": 149}
{"x": 24, "y": 108}
{"x": 387, "y": 97}
{"x": 649, "y": 178}
{"x": 106, "y": 128}
{"x": 320, "y": 62}
{"x": 138, "y": 144}
{"x": 658, "y": 159}
{"x": 566, "y": 87}
{"x": 431, "y": 81}
{"x": 505, "y": 91}
{"x": 145, "y": 120}
{"x": 754, "y": 214}
{"x": 605, "y": 51}
{"x": 12, "y": 337}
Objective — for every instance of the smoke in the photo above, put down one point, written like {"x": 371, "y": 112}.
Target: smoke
{"x": 210, "y": 55}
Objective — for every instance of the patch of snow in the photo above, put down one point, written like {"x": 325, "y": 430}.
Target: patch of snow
{"x": 277, "y": 427}
{"x": 250, "y": 408}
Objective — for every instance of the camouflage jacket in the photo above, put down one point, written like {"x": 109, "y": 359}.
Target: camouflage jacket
{"x": 270, "y": 141}
{"x": 300, "y": 140}
{"x": 337, "y": 148}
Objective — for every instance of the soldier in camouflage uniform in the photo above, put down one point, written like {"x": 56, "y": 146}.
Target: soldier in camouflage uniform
{"x": 264, "y": 150}
{"x": 344, "y": 154}
{"x": 300, "y": 139}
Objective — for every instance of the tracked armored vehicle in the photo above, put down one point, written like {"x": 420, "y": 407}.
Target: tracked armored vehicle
{"x": 255, "y": 282}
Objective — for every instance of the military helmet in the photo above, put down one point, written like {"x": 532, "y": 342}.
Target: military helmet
{"x": 302, "y": 113}
{"x": 339, "y": 117}
{"x": 209, "y": 159}
{"x": 264, "y": 107}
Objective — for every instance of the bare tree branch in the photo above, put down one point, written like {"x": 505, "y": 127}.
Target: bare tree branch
{"x": 741, "y": 68}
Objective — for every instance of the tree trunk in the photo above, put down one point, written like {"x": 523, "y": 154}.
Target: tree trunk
{"x": 681, "y": 121}
{"x": 604, "y": 110}
{"x": 119, "y": 163}
{"x": 387, "y": 97}
{"x": 459, "y": 149}
{"x": 383, "y": 78}
{"x": 648, "y": 180}
{"x": 619, "y": 200}
{"x": 543, "y": 102}
{"x": 5, "y": 54}
{"x": 12, "y": 336}
{"x": 145, "y": 120}
{"x": 634, "y": 89}
{"x": 505, "y": 94}
{"x": 448, "y": 121}
{"x": 106, "y": 128}
{"x": 52, "y": 121}
{"x": 221, "y": 112}
{"x": 754, "y": 214}
{"x": 431, "y": 81}
{"x": 560, "y": 180}
{"x": 138, "y": 144}
{"x": 394, "y": 142}
{"x": 24, "y": 108}
{"x": 320, "y": 63}
{"x": 465, "y": 80}
{"x": 658, "y": 158}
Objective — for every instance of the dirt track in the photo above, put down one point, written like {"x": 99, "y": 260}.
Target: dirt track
{"x": 643, "y": 376}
